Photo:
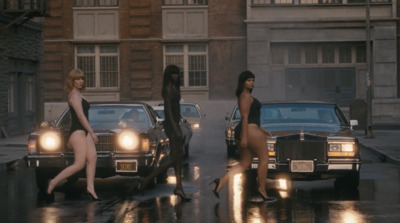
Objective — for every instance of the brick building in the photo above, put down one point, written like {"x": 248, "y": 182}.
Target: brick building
{"x": 298, "y": 49}
{"x": 21, "y": 66}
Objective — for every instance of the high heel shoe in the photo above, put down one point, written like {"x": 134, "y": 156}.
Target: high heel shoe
{"x": 266, "y": 199}
{"x": 92, "y": 197}
{"x": 181, "y": 195}
{"x": 216, "y": 182}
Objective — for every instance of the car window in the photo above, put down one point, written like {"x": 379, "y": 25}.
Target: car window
{"x": 189, "y": 110}
{"x": 113, "y": 117}
{"x": 300, "y": 113}
{"x": 236, "y": 115}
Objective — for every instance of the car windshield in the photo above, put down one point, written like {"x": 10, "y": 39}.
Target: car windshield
{"x": 301, "y": 113}
{"x": 189, "y": 110}
{"x": 115, "y": 117}
{"x": 160, "y": 113}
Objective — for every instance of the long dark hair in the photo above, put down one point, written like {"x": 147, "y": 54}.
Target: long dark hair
{"x": 169, "y": 70}
{"x": 242, "y": 78}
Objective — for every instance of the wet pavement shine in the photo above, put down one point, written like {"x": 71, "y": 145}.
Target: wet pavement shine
{"x": 376, "y": 200}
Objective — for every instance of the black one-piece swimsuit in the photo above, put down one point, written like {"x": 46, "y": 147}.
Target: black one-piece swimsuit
{"x": 75, "y": 123}
{"x": 252, "y": 118}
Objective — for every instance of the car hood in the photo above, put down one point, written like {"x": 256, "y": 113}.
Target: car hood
{"x": 321, "y": 130}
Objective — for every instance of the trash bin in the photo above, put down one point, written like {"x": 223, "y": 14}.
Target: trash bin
{"x": 358, "y": 111}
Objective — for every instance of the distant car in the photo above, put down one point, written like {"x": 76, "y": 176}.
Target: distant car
{"x": 311, "y": 141}
{"x": 132, "y": 142}
{"x": 186, "y": 127}
{"x": 231, "y": 122}
{"x": 192, "y": 112}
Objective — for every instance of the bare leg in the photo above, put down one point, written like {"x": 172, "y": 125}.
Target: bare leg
{"x": 244, "y": 163}
{"x": 177, "y": 160}
{"x": 258, "y": 147}
{"x": 91, "y": 159}
{"x": 76, "y": 140}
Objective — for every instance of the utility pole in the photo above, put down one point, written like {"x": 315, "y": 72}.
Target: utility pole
{"x": 369, "y": 72}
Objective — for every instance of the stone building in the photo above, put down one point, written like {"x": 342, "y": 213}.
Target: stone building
{"x": 298, "y": 49}
{"x": 21, "y": 63}
{"x": 316, "y": 50}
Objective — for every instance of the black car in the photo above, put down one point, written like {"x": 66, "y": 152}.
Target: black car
{"x": 311, "y": 141}
{"x": 131, "y": 142}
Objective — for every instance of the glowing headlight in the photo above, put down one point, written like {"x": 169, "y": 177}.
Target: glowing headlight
{"x": 50, "y": 141}
{"x": 196, "y": 125}
{"x": 341, "y": 149}
{"x": 128, "y": 140}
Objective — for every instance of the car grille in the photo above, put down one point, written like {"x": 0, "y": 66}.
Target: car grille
{"x": 292, "y": 148}
{"x": 106, "y": 143}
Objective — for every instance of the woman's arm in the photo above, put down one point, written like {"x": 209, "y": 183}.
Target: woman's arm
{"x": 75, "y": 101}
{"x": 245, "y": 101}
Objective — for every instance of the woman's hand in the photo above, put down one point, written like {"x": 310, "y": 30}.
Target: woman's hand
{"x": 94, "y": 137}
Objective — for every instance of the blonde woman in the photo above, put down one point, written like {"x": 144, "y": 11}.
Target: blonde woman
{"x": 81, "y": 136}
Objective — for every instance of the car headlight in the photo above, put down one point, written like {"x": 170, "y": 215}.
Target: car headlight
{"x": 271, "y": 146}
{"x": 129, "y": 141}
{"x": 196, "y": 125}
{"x": 230, "y": 132}
{"x": 341, "y": 149}
{"x": 49, "y": 141}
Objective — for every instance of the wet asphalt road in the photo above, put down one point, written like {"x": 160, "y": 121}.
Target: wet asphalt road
{"x": 376, "y": 200}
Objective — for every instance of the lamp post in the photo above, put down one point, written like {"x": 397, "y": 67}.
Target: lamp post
{"x": 369, "y": 74}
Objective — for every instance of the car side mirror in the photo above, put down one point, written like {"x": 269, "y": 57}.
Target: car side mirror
{"x": 159, "y": 120}
{"x": 353, "y": 123}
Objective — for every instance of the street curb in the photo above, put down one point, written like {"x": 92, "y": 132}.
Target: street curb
{"x": 382, "y": 156}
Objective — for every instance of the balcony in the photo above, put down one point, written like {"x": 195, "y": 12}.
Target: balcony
{"x": 20, "y": 11}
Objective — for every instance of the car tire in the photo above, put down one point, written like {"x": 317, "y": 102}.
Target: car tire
{"x": 350, "y": 181}
{"x": 42, "y": 178}
{"x": 231, "y": 151}
{"x": 186, "y": 151}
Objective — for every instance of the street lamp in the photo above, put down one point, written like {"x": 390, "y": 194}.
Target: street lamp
{"x": 369, "y": 73}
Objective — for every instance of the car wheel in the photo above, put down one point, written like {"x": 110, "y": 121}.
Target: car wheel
{"x": 231, "y": 151}
{"x": 350, "y": 181}
{"x": 42, "y": 177}
{"x": 186, "y": 151}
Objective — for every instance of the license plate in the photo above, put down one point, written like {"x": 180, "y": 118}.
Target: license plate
{"x": 302, "y": 166}
{"x": 126, "y": 166}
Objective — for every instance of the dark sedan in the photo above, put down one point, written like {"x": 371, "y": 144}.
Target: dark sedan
{"x": 311, "y": 141}
{"x": 131, "y": 142}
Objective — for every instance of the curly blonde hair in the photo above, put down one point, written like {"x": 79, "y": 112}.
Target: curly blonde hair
{"x": 72, "y": 76}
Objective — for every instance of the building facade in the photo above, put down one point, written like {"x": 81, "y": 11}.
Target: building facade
{"x": 21, "y": 66}
{"x": 316, "y": 50}
{"x": 298, "y": 49}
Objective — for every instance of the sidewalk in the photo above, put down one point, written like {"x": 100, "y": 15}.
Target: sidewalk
{"x": 12, "y": 151}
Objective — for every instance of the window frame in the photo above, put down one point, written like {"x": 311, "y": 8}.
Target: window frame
{"x": 186, "y": 54}
{"x": 97, "y": 66}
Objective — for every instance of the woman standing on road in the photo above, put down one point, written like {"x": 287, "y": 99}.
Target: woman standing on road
{"x": 250, "y": 137}
{"x": 171, "y": 94}
{"x": 81, "y": 136}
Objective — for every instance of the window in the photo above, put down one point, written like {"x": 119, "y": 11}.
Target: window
{"x": 29, "y": 93}
{"x": 311, "y": 54}
{"x": 100, "y": 65}
{"x": 361, "y": 54}
{"x": 192, "y": 60}
{"x": 95, "y": 3}
{"x": 294, "y": 55}
{"x": 345, "y": 54}
{"x": 185, "y": 2}
{"x": 277, "y": 55}
{"x": 12, "y": 93}
{"x": 328, "y": 54}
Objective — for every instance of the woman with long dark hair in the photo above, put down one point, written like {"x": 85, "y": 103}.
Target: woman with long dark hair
{"x": 81, "y": 136}
{"x": 171, "y": 94}
{"x": 250, "y": 137}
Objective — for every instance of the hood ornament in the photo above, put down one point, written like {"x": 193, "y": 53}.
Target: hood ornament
{"x": 301, "y": 134}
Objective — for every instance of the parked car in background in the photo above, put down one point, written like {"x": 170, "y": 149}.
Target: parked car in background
{"x": 192, "y": 113}
{"x": 131, "y": 142}
{"x": 232, "y": 121}
{"x": 311, "y": 141}
{"x": 186, "y": 127}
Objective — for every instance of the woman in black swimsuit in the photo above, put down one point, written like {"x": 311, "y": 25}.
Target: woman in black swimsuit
{"x": 172, "y": 95}
{"x": 250, "y": 137}
{"x": 81, "y": 136}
